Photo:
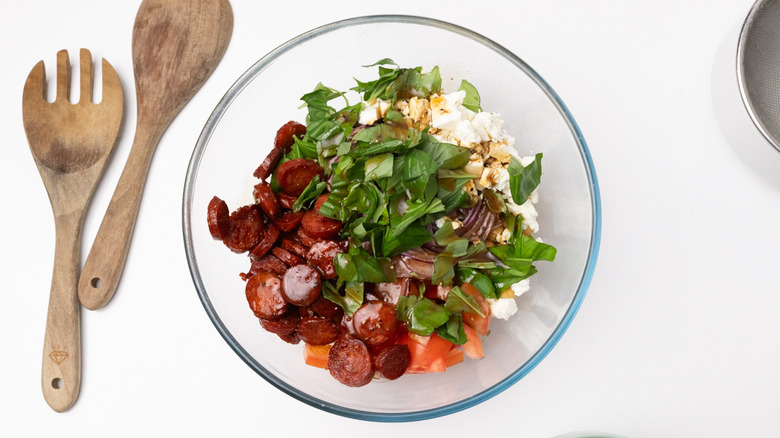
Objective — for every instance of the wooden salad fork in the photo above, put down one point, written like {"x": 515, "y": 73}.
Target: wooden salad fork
{"x": 70, "y": 144}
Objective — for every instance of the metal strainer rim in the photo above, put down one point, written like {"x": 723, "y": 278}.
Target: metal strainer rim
{"x": 744, "y": 37}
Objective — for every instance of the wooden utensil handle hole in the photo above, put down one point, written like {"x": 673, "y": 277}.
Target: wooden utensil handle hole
{"x": 56, "y": 383}
{"x": 95, "y": 282}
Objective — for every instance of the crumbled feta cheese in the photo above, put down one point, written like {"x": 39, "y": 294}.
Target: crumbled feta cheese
{"x": 521, "y": 287}
{"x": 475, "y": 165}
{"x": 447, "y": 110}
{"x": 502, "y": 308}
{"x": 375, "y": 110}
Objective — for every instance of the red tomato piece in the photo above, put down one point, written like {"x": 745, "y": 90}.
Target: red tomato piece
{"x": 429, "y": 357}
{"x": 480, "y": 324}
{"x": 316, "y": 355}
{"x": 473, "y": 346}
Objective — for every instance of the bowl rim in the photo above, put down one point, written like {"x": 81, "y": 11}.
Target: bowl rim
{"x": 262, "y": 64}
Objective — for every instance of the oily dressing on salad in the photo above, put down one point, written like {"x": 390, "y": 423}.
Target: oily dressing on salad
{"x": 387, "y": 234}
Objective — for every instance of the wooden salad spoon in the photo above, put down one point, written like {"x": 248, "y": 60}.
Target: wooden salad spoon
{"x": 70, "y": 144}
{"x": 177, "y": 44}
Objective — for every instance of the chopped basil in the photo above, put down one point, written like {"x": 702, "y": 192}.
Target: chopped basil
{"x": 471, "y": 101}
{"x": 524, "y": 180}
{"x": 421, "y": 315}
{"x": 309, "y": 194}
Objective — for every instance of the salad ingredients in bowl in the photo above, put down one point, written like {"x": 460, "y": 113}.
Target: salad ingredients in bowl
{"x": 386, "y": 234}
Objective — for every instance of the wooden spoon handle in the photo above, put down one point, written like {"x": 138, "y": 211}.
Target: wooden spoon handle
{"x": 106, "y": 260}
{"x": 61, "y": 371}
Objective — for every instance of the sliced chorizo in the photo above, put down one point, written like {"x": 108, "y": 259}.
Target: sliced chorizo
{"x": 266, "y": 199}
{"x": 269, "y": 164}
{"x": 284, "y": 136}
{"x": 301, "y": 285}
{"x": 306, "y": 238}
{"x": 321, "y": 256}
{"x": 288, "y": 258}
{"x": 294, "y": 247}
{"x": 284, "y": 324}
{"x": 289, "y": 221}
{"x": 218, "y": 218}
{"x": 375, "y": 322}
{"x": 319, "y": 226}
{"x": 264, "y": 294}
{"x": 393, "y": 361}
{"x": 294, "y": 175}
{"x": 266, "y": 243}
{"x": 316, "y": 330}
{"x": 349, "y": 362}
{"x": 269, "y": 263}
{"x": 286, "y": 200}
{"x": 290, "y": 338}
{"x": 246, "y": 229}
{"x": 327, "y": 309}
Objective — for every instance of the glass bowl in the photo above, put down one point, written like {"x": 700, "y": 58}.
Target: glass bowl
{"x": 240, "y": 133}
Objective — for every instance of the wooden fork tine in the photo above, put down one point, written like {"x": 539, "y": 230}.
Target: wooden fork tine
{"x": 63, "y": 76}
{"x": 35, "y": 85}
{"x": 112, "y": 88}
{"x": 86, "y": 77}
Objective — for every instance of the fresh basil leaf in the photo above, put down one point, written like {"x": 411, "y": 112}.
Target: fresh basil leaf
{"x": 449, "y": 156}
{"x": 413, "y": 236}
{"x": 459, "y": 301}
{"x": 472, "y": 100}
{"x": 379, "y": 166}
{"x": 524, "y": 180}
{"x": 417, "y": 209}
{"x": 477, "y": 279}
{"x": 421, "y": 315}
{"x": 313, "y": 190}
{"x": 453, "y": 330}
{"x": 418, "y": 168}
{"x": 528, "y": 247}
{"x": 350, "y": 301}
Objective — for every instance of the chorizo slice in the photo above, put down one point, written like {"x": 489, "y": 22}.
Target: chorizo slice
{"x": 289, "y": 221}
{"x": 327, "y": 309}
{"x": 349, "y": 362}
{"x": 393, "y": 361}
{"x": 290, "y": 338}
{"x": 294, "y": 247}
{"x": 218, "y": 218}
{"x": 268, "y": 165}
{"x": 316, "y": 330}
{"x": 374, "y": 322}
{"x": 288, "y": 258}
{"x": 301, "y": 285}
{"x": 286, "y": 200}
{"x": 264, "y": 295}
{"x": 321, "y": 256}
{"x": 266, "y": 243}
{"x": 246, "y": 229}
{"x": 319, "y": 226}
{"x": 284, "y": 136}
{"x": 265, "y": 197}
{"x": 306, "y": 238}
{"x": 268, "y": 263}
{"x": 284, "y": 324}
{"x": 294, "y": 175}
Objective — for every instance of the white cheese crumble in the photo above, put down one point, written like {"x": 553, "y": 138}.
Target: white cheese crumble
{"x": 502, "y": 308}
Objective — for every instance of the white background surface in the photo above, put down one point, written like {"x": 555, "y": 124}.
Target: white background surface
{"x": 677, "y": 337}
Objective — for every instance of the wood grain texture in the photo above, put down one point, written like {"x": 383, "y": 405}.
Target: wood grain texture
{"x": 70, "y": 144}
{"x": 177, "y": 44}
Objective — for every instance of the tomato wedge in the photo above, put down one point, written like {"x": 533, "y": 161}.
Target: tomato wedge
{"x": 473, "y": 346}
{"x": 428, "y": 355}
{"x": 316, "y": 355}
{"x": 453, "y": 357}
{"x": 480, "y": 324}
